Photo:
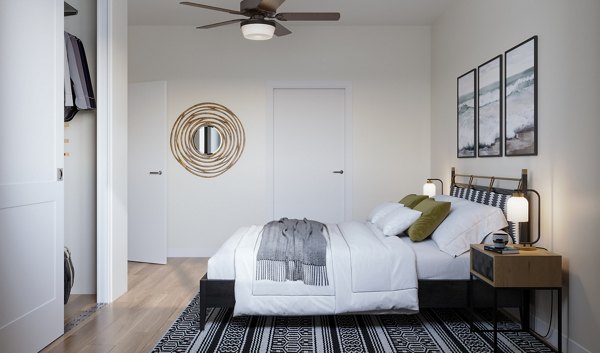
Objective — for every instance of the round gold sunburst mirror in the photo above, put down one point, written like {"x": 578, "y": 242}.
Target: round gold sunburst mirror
{"x": 207, "y": 139}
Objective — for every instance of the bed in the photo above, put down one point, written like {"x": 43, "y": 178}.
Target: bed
{"x": 367, "y": 276}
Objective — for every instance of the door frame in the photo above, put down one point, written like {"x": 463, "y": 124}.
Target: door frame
{"x": 111, "y": 208}
{"x": 348, "y": 167}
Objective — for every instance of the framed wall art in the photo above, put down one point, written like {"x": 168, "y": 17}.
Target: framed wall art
{"x": 465, "y": 111}
{"x": 489, "y": 107}
{"x": 520, "y": 89}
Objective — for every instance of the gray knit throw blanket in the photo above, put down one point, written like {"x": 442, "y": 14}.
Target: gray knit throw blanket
{"x": 293, "y": 250}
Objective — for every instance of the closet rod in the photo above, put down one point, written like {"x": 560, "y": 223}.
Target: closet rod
{"x": 70, "y": 10}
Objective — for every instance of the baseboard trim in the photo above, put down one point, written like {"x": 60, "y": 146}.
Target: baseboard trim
{"x": 569, "y": 345}
{"x": 191, "y": 252}
{"x": 83, "y": 291}
{"x": 575, "y": 347}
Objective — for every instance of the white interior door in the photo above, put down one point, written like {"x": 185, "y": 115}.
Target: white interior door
{"x": 147, "y": 184}
{"x": 309, "y": 173}
{"x": 31, "y": 197}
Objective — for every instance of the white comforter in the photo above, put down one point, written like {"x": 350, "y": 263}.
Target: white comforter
{"x": 367, "y": 272}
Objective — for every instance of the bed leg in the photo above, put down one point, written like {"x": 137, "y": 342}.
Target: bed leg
{"x": 202, "y": 313}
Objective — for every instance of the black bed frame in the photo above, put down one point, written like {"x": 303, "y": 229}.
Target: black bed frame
{"x": 218, "y": 293}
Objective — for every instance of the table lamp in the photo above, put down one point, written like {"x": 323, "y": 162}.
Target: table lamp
{"x": 429, "y": 187}
{"x": 517, "y": 210}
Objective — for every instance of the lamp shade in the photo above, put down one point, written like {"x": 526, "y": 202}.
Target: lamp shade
{"x": 429, "y": 189}
{"x": 258, "y": 30}
{"x": 517, "y": 209}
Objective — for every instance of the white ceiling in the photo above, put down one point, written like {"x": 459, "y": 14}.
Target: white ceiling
{"x": 353, "y": 12}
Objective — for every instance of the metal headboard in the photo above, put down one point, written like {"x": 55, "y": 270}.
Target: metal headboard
{"x": 471, "y": 183}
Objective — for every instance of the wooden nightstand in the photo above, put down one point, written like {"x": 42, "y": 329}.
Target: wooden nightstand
{"x": 528, "y": 270}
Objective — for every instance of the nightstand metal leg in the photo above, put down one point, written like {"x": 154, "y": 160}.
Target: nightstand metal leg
{"x": 470, "y": 301}
{"x": 525, "y": 310}
{"x": 495, "y": 318}
{"x": 559, "y": 318}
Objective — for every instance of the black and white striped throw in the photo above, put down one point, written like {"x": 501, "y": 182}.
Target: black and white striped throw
{"x": 293, "y": 250}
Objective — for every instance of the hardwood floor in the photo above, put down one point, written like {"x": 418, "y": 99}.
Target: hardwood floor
{"x": 138, "y": 319}
{"x": 78, "y": 303}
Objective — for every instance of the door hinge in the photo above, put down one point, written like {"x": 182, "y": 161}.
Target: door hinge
{"x": 59, "y": 174}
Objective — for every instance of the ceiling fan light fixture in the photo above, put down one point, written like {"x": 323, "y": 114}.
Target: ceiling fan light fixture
{"x": 258, "y": 29}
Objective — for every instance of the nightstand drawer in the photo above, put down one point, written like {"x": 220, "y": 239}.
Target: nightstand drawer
{"x": 528, "y": 269}
{"x": 483, "y": 264}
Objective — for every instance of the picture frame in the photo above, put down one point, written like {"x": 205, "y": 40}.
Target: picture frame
{"x": 489, "y": 108}
{"x": 465, "y": 115}
{"x": 520, "y": 95}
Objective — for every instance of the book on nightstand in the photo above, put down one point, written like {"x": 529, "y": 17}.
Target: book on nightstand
{"x": 505, "y": 250}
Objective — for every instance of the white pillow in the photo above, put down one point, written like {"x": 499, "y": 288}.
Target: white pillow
{"x": 381, "y": 210}
{"x": 467, "y": 223}
{"x": 454, "y": 201}
{"x": 397, "y": 221}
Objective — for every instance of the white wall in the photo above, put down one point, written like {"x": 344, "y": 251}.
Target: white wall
{"x": 388, "y": 67}
{"x": 80, "y": 165}
{"x": 472, "y": 32}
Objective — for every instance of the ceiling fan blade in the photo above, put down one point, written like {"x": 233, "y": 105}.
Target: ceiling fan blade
{"x": 219, "y": 24}
{"x": 280, "y": 30}
{"x": 270, "y": 5}
{"x": 233, "y": 12}
{"x": 308, "y": 16}
{"x": 264, "y": 5}
{"x": 248, "y": 4}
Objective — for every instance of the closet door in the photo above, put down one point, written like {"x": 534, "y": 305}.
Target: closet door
{"x": 31, "y": 152}
{"x": 147, "y": 183}
{"x": 309, "y": 169}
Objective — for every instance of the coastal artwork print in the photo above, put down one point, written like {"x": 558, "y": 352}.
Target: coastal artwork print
{"x": 521, "y": 99}
{"x": 466, "y": 115}
{"x": 489, "y": 123}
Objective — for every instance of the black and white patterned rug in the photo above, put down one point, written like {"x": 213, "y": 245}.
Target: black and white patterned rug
{"x": 445, "y": 330}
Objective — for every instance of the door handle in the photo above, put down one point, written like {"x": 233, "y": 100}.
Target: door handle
{"x": 338, "y": 172}
{"x": 156, "y": 173}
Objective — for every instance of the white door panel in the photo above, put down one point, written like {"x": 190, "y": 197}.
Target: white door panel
{"x": 147, "y": 144}
{"x": 308, "y": 146}
{"x": 31, "y": 151}
{"x": 29, "y": 239}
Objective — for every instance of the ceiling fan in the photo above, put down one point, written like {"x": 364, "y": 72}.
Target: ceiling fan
{"x": 261, "y": 24}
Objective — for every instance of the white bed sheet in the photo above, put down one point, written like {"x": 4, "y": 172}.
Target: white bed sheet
{"x": 432, "y": 263}
{"x": 222, "y": 265}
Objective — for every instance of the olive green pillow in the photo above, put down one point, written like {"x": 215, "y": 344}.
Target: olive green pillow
{"x": 411, "y": 200}
{"x": 432, "y": 214}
